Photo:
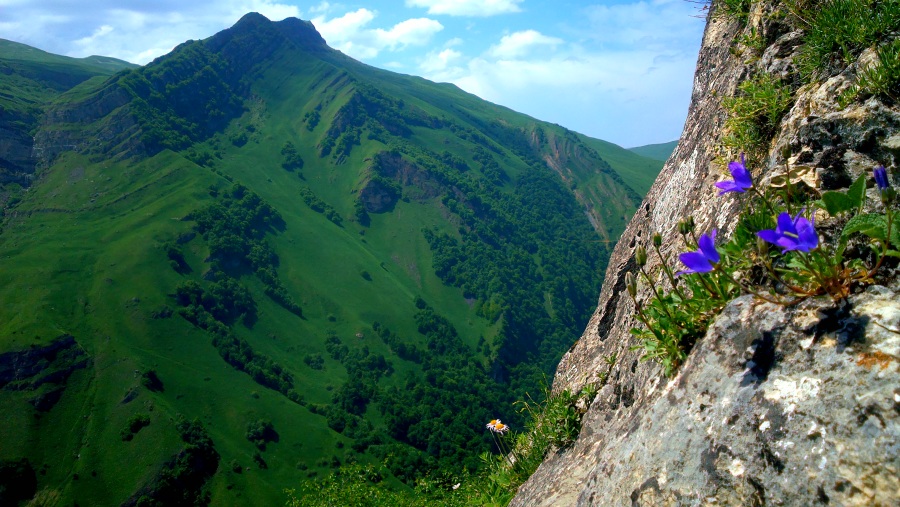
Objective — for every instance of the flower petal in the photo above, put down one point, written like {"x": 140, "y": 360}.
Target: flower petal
{"x": 696, "y": 262}
{"x": 785, "y": 224}
{"x": 708, "y": 247}
{"x": 806, "y": 233}
{"x": 728, "y": 186}
{"x": 770, "y": 235}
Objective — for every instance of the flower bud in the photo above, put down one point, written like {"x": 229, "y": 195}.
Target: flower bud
{"x": 881, "y": 178}
{"x": 683, "y": 227}
{"x": 640, "y": 256}
{"x": 631, "y": 284}
{"x": 888, "y": 196}
{"x": 690, "y": 223}
{"x": 657, "y": 240}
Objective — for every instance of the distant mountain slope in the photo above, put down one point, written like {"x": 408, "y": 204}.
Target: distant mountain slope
{"x": 659, "y": 151}
{"x": 31, "y": 79}
{"x": 256, "y": 259}
{"x": 637, "y": 171}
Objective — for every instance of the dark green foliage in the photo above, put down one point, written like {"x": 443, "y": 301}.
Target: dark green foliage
{"x": 261, "y": 432}
{"x": 225, "y": 300}
{"x": 261, "y": 368}
{"x": 151, "y": 381}
{"x": 260, "y": 462}
{"x": 239, "y": 138}
{"x": 135, "y": 424}
{"x": 235, "y": 229}
{"x": 165, "y": 97}
{"x": 398, "y": 345}
{"x": 418, "y": 412}
{"x": 18, "y": 481}
{"x": 312, "y": 119}
{"x": 314, "y": 361}
{"x": 292, "y": 160}
{"x": 319, "y": 206}
{"x": 183, "y": 477}
{"x": 176, "y": 259}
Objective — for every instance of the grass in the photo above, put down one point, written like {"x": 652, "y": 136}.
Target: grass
{"x": 754, "y": 114}
{"x": 838, "y": 30}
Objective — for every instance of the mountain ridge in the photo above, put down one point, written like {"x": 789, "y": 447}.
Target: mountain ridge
{"x": 365, "y": 263}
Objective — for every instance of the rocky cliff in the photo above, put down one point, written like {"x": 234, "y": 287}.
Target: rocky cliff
{"x": 775, "y": 405}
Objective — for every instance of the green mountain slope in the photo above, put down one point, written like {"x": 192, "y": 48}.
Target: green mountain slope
{"x": 660, "y": 151}
{"x": 31, "y": 79}
{"x": 637, "y": 171}
{"x": 256, "y": 259}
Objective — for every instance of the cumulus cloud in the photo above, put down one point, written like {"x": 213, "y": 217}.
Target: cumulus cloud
{"x": 474, "y": 8}
{"x": 437, "y": 61}
{"x": 631, "y": 94}
{"x": 136, "y": 32}
{"x": 350, "y": 34}
{"x": 518, "y": 44}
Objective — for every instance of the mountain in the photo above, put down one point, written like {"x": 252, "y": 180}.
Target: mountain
{"x": 661, "y": 151}
{"x": 256, "y": 259}
{"x": 32, "y": 78}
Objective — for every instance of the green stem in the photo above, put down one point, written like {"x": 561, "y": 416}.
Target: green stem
{"x": 812, "y": 270}
{"x": 656, "y": 293}
{"x": 668, "y": 270}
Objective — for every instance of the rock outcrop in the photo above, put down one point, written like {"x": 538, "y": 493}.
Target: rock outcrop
{"x": 775, "y": 405}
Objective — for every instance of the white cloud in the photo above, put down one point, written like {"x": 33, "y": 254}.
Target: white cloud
{"x": 338, "y": 30}
{"x": 136, "y": 32}
{"x": 475, "y": 8}
{"x": 631, "y": 94}
{"x": 349, "y": 33}
{"x": 518, "y": 44}
{"x": 651, "y": 24}
{"x": 439, "y": 61}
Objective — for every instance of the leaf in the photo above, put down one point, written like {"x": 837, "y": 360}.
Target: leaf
{"x": 857, "y": 192}
{"x": 837, "y": 202}
{"x": 872, "y": 225}
{"x": 840, "y": 202}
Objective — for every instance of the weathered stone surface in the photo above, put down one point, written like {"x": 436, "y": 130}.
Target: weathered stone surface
{"x": 776, "y": 406}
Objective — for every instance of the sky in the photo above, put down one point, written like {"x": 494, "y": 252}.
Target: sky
{"x": 617, "y": 70}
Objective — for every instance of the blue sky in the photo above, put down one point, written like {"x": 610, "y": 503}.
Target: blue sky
{"x": 617, "y": 70}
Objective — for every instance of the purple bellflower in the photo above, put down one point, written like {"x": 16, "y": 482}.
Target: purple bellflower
{"x": 703, "y": 259}
{"x": 881, "y": 178}
{"x": 792, "y": 234}
{"x": 741, "y": 178}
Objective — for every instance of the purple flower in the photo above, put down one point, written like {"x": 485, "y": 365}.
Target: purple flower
{"x": 741, "y": 177}
{"x": 792, "y": 234}
{"x": 703, "y": 259}
{"x": 881, "y": 178}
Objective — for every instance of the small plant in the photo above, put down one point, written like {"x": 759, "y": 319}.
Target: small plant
{"x": 805, "y": 266}
{"x": 754, "y": 114}
{"x": 735, "y": 9}
{"x": 838, "y": 30}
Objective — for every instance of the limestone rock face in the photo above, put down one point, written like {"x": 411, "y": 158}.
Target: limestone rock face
{"x": 775, "y": 405}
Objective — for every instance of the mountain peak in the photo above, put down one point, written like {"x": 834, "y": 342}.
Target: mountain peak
{"x": 254, "y": 25}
